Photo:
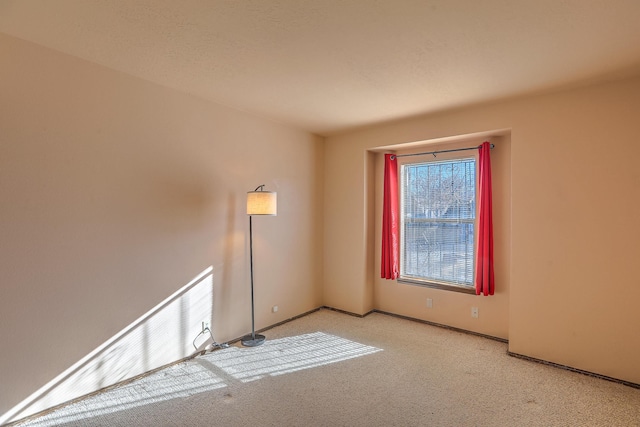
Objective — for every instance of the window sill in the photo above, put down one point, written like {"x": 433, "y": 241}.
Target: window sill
{"x": 437, "y": 285}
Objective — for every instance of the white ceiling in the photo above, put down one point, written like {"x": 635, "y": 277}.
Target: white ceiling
{"x": 330, "y": 65}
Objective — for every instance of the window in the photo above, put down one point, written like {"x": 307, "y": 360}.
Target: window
{"x": 438, "y": 212}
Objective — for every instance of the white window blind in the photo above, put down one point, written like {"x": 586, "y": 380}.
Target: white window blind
{"x": 438, "y": 218}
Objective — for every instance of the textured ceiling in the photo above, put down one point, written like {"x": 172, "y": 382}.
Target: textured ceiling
{"x": 330, "y": 65}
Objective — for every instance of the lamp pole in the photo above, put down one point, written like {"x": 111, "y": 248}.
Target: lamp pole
{"x": 253, "y": 339}
{"x": 259, "y": 202}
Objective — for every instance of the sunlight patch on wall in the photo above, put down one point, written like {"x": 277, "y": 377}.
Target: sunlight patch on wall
{"x": 161, "y": 336}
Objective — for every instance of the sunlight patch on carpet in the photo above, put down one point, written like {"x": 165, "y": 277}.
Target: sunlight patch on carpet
{"x": 177, "y": 381}
{"x": 285, "y": 355}
{"x": 274, "y": 357}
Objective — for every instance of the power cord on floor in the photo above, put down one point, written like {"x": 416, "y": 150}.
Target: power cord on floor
{"x": 214, "y": 344}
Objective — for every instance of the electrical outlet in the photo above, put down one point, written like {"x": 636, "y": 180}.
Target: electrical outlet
{"x": 429, "y": 303}
{"x": 274, "y": 309}
{"x": 474, "y": 312}
{"x": 205, "y": 325}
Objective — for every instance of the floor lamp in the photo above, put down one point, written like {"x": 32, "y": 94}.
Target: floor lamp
{"x": 259, "y": 202}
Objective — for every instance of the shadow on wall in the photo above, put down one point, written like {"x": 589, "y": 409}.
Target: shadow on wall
{"x": 166, "y": 333}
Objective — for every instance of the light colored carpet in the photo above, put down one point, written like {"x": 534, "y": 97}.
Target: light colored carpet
{"x": 331, "y": 369}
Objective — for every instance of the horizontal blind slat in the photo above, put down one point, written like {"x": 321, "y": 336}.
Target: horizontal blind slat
{"x": 438, "y": 221}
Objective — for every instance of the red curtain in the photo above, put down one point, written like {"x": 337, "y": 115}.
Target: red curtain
{"x": 484, "y": 262}
{"x": 390, "y": 264}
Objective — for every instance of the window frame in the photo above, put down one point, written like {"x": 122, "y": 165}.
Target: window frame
{"x": 431, "y": 283}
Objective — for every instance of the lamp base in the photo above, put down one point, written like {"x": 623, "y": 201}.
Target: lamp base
{"x": 252, "y": 340}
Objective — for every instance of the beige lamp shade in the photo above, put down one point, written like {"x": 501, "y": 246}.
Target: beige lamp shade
{"x": 262, "y": 203}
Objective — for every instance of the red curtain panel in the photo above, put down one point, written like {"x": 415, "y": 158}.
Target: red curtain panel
{"x": 484, "y": 263}
{"x": 390, "y": 264}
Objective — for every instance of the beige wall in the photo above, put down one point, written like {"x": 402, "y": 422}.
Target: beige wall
{"x": 115, "y": 193}
{"x": 454, "y": 308}
{"x": 567, "y": 177}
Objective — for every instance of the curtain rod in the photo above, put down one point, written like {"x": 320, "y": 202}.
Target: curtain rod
{"x": 394, "y": 156}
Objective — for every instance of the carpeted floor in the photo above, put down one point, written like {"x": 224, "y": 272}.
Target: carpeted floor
{"x": 332, "y": 369}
